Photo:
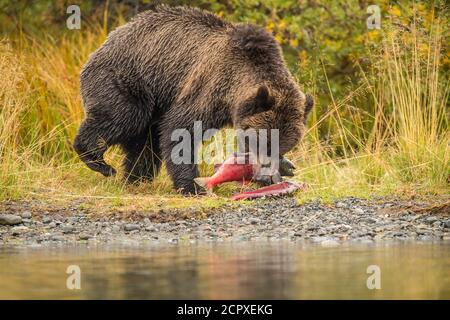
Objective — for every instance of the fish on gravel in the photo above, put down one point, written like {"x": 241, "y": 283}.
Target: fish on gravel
{"x": 274, "y": 190}
{"x": 236, "y": 168}
{"x": 239, "y": 167}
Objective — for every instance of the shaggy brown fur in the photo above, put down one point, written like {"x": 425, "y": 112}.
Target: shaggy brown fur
{"x": 175, "y": 65}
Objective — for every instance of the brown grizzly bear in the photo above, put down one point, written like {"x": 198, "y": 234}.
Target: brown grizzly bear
{"x": 172, "y": 66}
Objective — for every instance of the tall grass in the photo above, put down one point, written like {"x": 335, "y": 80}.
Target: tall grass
{"x": 400, "y": 142}
{"x": 406, "y": 148}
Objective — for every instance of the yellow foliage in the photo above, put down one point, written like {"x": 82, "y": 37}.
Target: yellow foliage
{"x": 279, "y": 38}
{"x": 373, "y": 35}
{"x": 303, "y": 58}
{"x": 395, "y": 11}
{"x": 293, "y": 42}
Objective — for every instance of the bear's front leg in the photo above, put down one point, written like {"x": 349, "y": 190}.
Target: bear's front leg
{"x": 183, "y": 176}
{"x": 179, "y": 158}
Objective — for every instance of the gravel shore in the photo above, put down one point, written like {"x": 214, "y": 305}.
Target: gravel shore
{"x": 348, "y": 220}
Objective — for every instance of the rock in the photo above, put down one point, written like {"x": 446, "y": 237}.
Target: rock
{"x": 52, "y": 224}
{"x": 254, "y": 220}
{"x": 59, "y": 218}
{"x": 329, "y": 243}
{"x": 371, "y": 220}
{"x": 72, "y": 219}
{"x": 340, "y": 205}
{"x": 430, "y": 220}
{"x": 320, "y": 239}
{"x": 436, "y": 224}
{"x": 151, "y": 229}
{"x": 358, "y": 211}
{"x": 46, "y": 219}
{"x": 423, "y": 231}
{"x": 57, "y": 237}
{"x": 425, "y": 238}
{"x": 68, "y": 229}
{"x": 146, "y": 220}
{"x": 115, "y": 228}
{"x": 447, "y": 223}
{"x": 84, "y": 236}
{"x": 131, "y": 227}
{"x": 19, "y": 230}
{"x": 10, "y": 219}
{"x": 26, "y": 215}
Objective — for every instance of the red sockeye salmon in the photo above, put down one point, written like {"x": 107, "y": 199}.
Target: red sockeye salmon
{"x": 236, "y": 168}
{"x": 241, "y": 167}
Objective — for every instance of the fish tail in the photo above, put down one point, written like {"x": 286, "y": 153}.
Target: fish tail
{"x": 203, "y": 182}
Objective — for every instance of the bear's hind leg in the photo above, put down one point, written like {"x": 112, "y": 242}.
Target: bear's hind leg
{"x": 142, "y": 156}
{"x": 91, "y": 147}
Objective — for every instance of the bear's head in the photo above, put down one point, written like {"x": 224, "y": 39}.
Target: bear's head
{"x": 265, "y": 109}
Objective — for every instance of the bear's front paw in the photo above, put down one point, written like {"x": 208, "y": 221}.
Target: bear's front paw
{"x": 192, "y": 189}
{"x": 107, "y": 170}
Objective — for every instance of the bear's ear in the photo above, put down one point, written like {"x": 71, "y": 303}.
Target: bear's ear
{"x": 309, "y": 103}
{"x": 263, "y": 100}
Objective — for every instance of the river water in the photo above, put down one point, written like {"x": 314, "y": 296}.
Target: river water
{"x": 227, "y": 271}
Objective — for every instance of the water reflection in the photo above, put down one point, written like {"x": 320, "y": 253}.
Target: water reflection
{"x": 227, "y": 271}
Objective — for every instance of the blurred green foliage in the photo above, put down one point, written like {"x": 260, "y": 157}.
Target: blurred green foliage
{"x": 311, "y": 31}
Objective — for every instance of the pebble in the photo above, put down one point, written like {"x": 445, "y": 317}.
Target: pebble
{"x": 430, "y": 220}
{"x": 10, "y": 219}
{"x": 425, "y": 238}
{"x": 26, "y": 215}
{"x": 151, "y": 229}
{"x": 19, "y": 230}
{"x": 329, "y": 243}
{"x": 371, "y": 220}
{"x": 84, "y": 236}
{"x": 46, "y": 219}
{"x": 447, "y": 224}
{"x": 131, "y": 227}
{"x": 57, "y": 237}
{"x": 320, "y": 239}
{"x": 68, "y": 229}
{"x": 340, "y": 205}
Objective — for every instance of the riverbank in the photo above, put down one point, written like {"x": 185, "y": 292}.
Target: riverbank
{"x": 345, "y": 221}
